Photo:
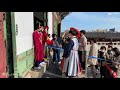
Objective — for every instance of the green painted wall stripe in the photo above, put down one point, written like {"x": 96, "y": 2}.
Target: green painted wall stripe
{"x": 25, "y": 62}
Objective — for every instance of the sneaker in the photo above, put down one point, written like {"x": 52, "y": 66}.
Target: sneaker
{"x": 59, "y": 62}
{"x": 35, "y": 68}
{"x": 44, "y": 63}
{"x": 63, "y": 74}
{"x": 39, "y": 68}
{"x": 40, "y": 64}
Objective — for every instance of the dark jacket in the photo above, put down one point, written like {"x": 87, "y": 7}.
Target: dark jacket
{"x": 68, "y": 48}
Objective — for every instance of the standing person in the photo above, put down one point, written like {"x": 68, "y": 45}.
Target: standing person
{"x": 66, "y": 44}
{"x": 71, "y": 58}
{"x": 56, "y": 52}
{"x": 45, "y": 30}
{"x": 103, "y": 55}
{"x": 110, "y": 52}
{"x": 91, "y": 61}
{"x": 116, "y": 53}
{"x": 82, "y": 48}
{"x": 49, "y": 43}
{"x": 38, "y": 46}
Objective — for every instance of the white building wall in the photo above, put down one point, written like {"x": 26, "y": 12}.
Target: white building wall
{"x": 24, "y": 40}
{"x": 50, "y": 24}
{"x": 101, "y": 44}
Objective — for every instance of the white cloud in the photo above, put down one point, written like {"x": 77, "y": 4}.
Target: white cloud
{"x": 109, "y": 14}
{"x": 113, "y": 13}
{"x": 85, "y": 20}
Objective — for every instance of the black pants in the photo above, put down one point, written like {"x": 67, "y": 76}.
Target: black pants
{"x": 80, "y": 58}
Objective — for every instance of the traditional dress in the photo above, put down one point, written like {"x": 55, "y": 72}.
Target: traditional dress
{"x": 38, "y": 47}
{"x": 44, "y": 40}
{"x": 71, "y": 60}
{"x": 45, "y": 35}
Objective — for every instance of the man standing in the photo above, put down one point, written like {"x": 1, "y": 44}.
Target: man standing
{"x": 82, "y": 49}
{"x": 56, "y": 52}
{"x": 92, "y": 61}
{"x": 38, "y": 46}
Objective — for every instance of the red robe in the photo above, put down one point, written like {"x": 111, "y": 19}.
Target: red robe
{"x": 49, "y": 42}
{"x": 44, "y": 37}
{"x": 38, "y": 46}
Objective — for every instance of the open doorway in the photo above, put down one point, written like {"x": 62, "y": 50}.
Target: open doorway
{"x": 40, "y": 17}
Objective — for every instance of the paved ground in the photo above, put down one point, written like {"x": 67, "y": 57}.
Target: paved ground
{"x": 53, "y": 71}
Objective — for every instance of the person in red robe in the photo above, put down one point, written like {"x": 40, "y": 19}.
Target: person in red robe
{"x": 45, "y": 34}
{"x": 48, "y": 41}
{"x": 38, "y": 45}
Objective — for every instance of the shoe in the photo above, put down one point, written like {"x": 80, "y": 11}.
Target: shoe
{"x": 64, "y": 75}
{"x": 40, "y": 64}
{"x": 44, "y": 63}
{"x": 39, "y": 68}
{"x": 35, "y": 68}
{"x": 59, "y": 62}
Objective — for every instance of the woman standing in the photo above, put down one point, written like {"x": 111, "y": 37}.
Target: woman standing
{"x": 71, "y": 58}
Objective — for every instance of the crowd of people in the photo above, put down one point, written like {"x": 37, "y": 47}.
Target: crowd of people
{"x": 74, "y": 44}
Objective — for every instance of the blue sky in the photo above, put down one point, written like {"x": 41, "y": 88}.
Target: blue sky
{"x": 92, "y": 20}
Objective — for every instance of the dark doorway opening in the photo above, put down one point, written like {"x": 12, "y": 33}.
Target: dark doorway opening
{"x": 9, "y": 46}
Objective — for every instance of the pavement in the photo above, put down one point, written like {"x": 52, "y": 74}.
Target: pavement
{"x": 53, "y": 71}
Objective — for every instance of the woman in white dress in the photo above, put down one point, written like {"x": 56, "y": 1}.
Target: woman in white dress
{"x": 71, "y": 58}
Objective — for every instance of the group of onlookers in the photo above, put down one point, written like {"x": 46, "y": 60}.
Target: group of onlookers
{"x": 75, "y": 52}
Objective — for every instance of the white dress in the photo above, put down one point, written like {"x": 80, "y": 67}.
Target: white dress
{"x": 72, "y": 61}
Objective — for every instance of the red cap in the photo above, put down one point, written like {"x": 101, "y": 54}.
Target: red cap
{"x": 78, "y": 32}
{"x": 72, "y": 28}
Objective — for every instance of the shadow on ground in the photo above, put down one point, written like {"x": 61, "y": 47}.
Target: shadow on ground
{"x": 53, "y": 71}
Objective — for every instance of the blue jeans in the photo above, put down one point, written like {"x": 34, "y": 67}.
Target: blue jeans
{"x": 56, "y": 55}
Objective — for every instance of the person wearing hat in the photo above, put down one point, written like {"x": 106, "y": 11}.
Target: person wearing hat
{"x": 71, "y": 58}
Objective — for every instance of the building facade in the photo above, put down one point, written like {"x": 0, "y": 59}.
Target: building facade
{"x": 16, "y": 51}
{"x": 104, "y": 39}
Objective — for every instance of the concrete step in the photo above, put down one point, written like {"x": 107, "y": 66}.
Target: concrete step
{"x": 39, "y": 73}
